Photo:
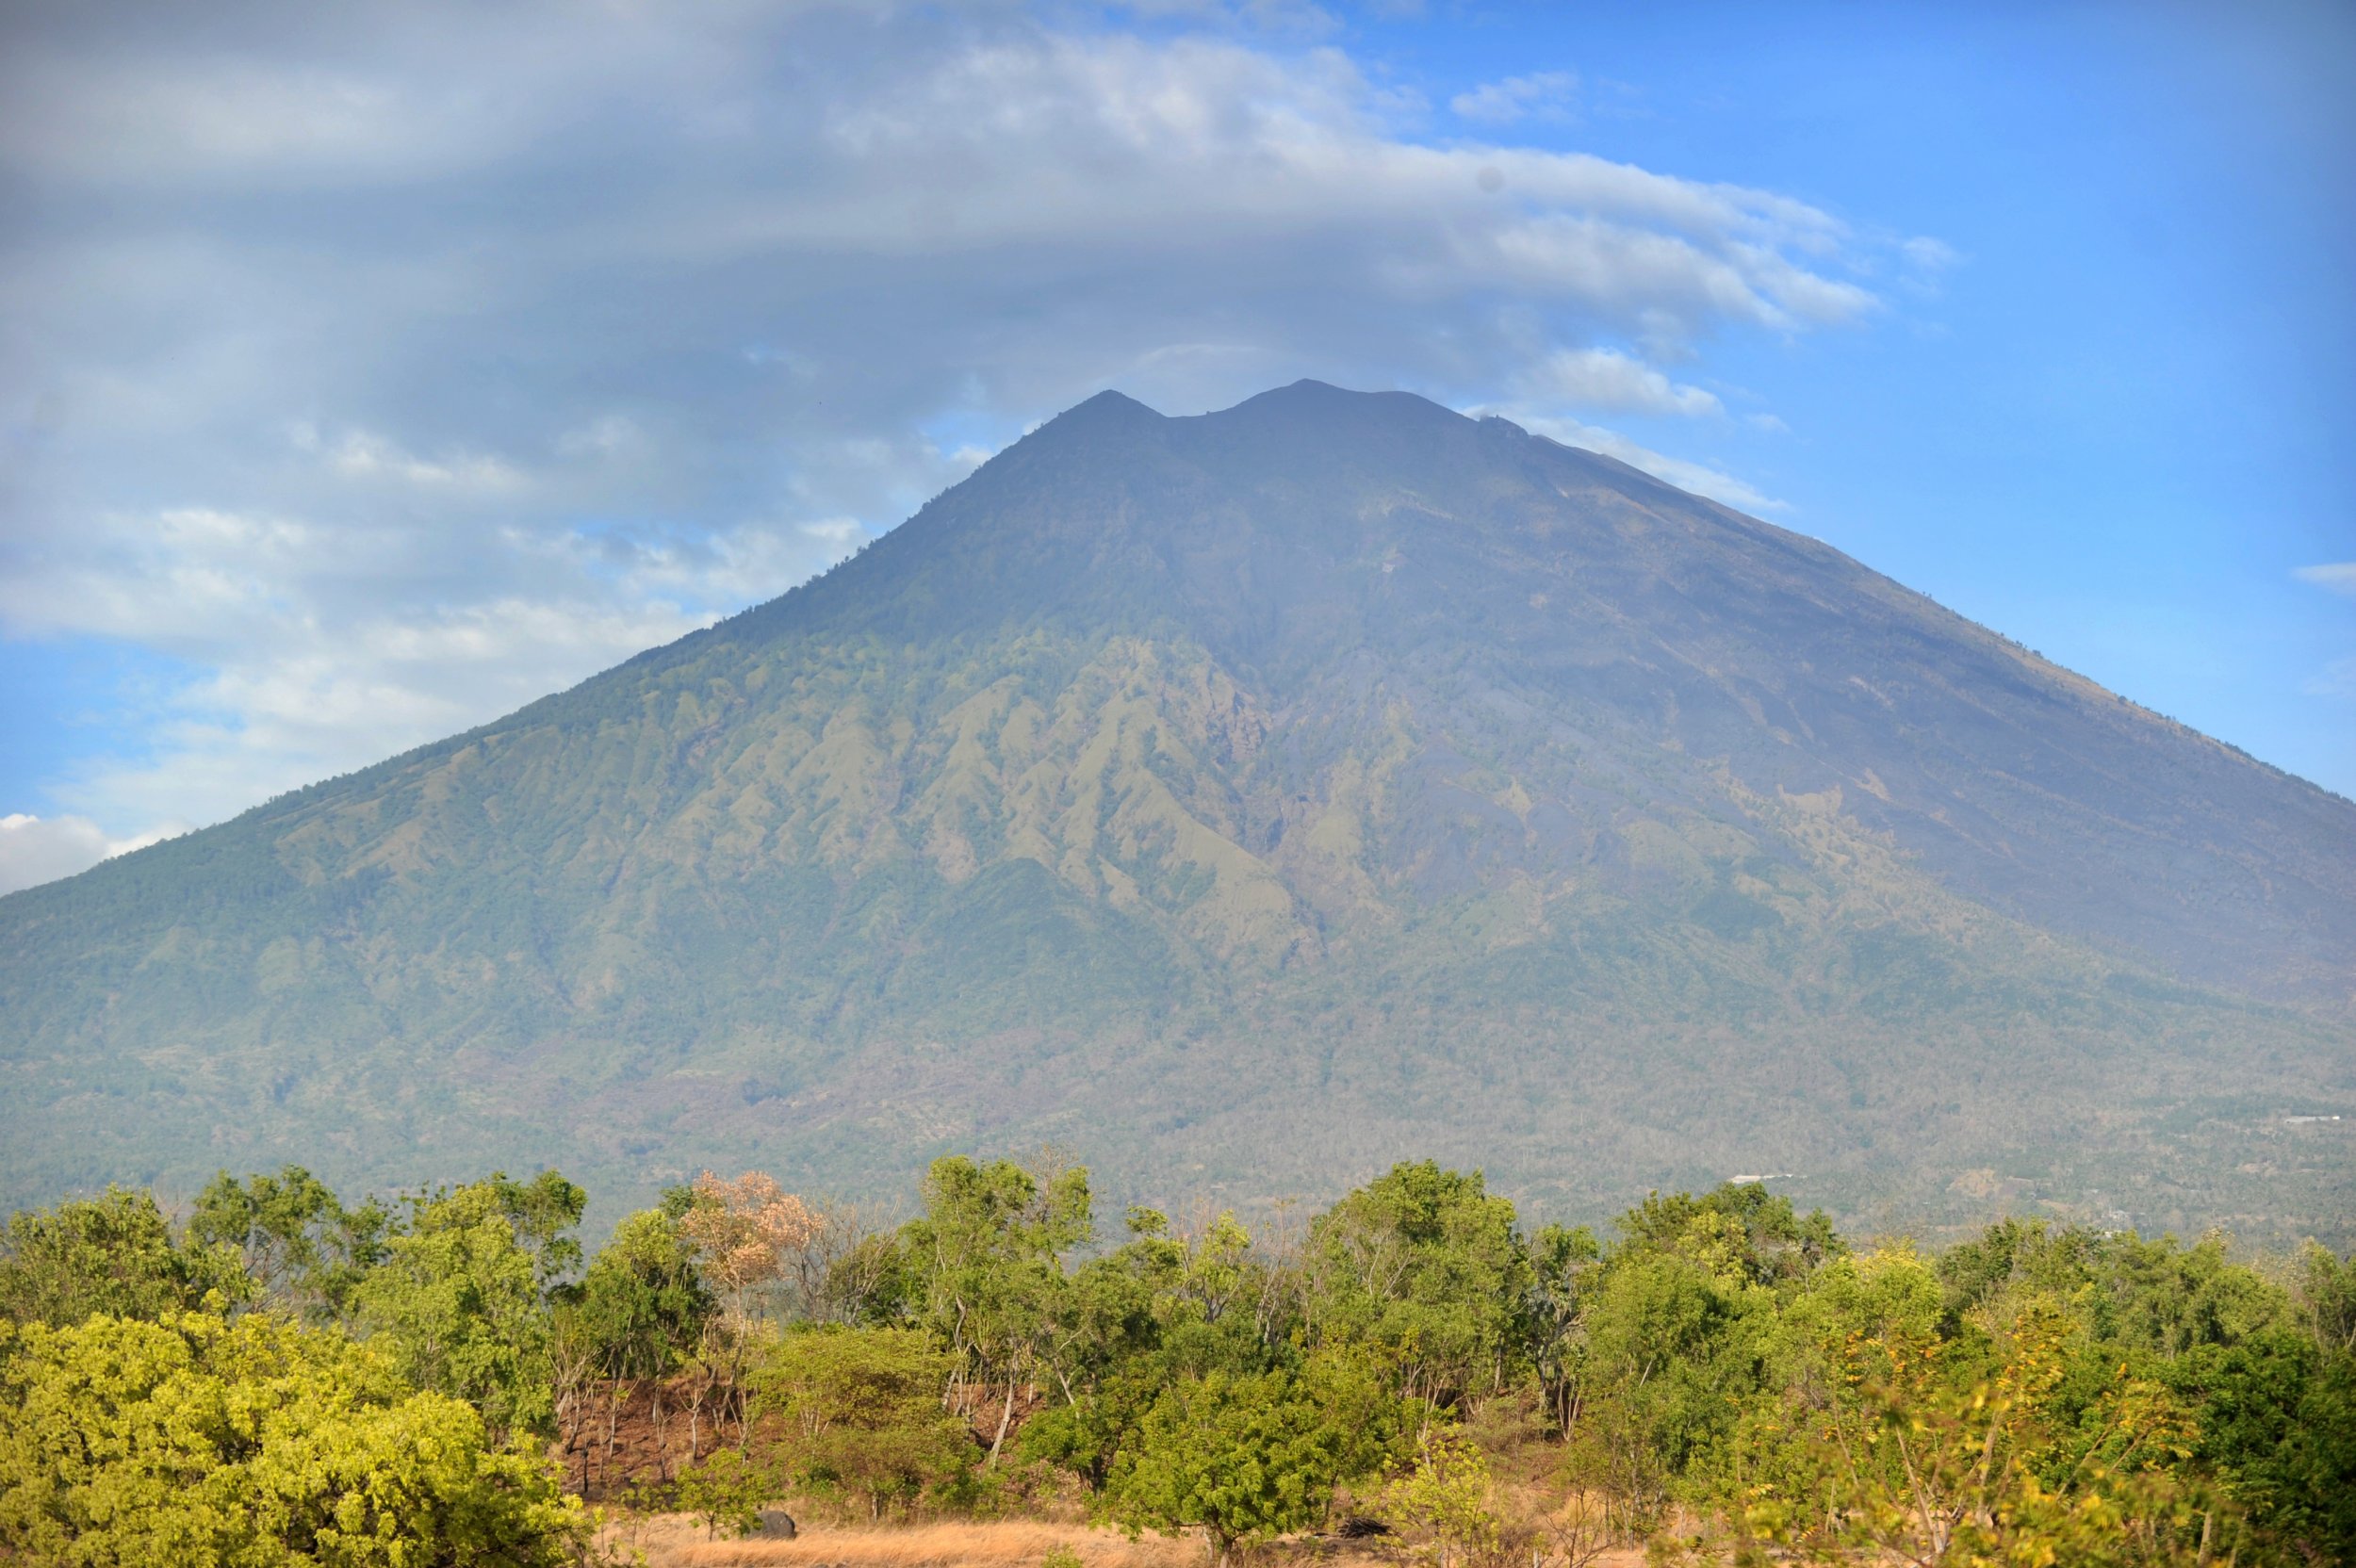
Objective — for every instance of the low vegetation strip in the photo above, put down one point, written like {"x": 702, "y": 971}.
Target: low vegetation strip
{"x": 741, "y": 1375}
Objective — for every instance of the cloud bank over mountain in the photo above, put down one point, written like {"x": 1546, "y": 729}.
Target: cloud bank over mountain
{"x": 386, "y": 370}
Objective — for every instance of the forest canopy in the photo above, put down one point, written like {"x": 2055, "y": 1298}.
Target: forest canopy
{"x": 283, "y": 1376}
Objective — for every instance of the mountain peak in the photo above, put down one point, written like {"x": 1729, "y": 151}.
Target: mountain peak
{"x": 1315, "y": 407}
{"x": 1106, "y": 410}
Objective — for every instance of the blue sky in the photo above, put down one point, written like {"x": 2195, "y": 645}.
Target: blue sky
{"x": 367, "y": 372}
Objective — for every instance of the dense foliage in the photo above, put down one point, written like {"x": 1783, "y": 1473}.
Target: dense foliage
{"x": 189, "y": 1439}
{"x": 284, "y": 1379}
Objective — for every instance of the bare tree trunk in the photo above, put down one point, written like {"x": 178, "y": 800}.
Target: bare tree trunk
{"x": 1006, "y": 1419}
{"x": 614, "y": 1396}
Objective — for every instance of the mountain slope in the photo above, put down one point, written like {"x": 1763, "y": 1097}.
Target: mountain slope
{"x": 1240, "y": 801}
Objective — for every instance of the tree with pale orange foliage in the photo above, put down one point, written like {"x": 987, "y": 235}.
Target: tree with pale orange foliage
{"x": 744, "y": 1234}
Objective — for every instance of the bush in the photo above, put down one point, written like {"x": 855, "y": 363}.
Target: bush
{"x": 726, "y": 1490}
{"x": 196, "y": 1441}
{"x": 1244, "y": 1458}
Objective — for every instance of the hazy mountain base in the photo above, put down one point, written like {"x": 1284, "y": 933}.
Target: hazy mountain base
{"x": 834, "y": 905}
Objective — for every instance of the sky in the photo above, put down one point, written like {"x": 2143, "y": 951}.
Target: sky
{"x": 369, "y": 371}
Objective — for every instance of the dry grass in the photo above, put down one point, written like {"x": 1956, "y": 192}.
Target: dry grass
{"x": 677, "y": 1541}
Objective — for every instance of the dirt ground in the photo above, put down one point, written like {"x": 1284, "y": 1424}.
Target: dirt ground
{"x": 677, "y": 1541}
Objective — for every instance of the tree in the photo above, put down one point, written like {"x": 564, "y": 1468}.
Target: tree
{"x": 2276, "y": 1415}
{"x": 1740, "y": 1229}
{"x": 1670, "y": 1335}
{"x": 460, "y": 1301}
{"x": 639, "y": 1311}
{"x": 1164, "y": 1307}
{"x": 725, "y": 1489}
{"x": 1562, "y": 1265}
{"x": 746, "y": 1234}
{"x": 2327, "y": 1299}
{"x": 1242, "y": 1457}
{"x": 990, "y": 1250}
{"x": 1445, "y": 1496}
{"x": 1426, "y": 1266}
{"x": 113, "y": 1254}
{"x": 860, "y": 1413}
{"x": 1899, "y": 1442}
{"x": 305, "y": 1250}
{"x": 193, "y": 1440}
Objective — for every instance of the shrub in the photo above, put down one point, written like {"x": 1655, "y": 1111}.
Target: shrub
{"x": 195, "y": 1441}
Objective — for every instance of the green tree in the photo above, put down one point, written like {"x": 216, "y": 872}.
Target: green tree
{"x": 725, "y": 1489}
{"x": 1245, "y": 1458}
{"x": 640, "y": 1310}
{"x": 1672, "y": 1330}
{"x": 990, "y": 1249}
{"x": 859, "y": 1413}
{"x": 1159, "y": 1309}
{"x": 1739, "y": 1228}
{"x": 196, "y": 1441}
{"x": 1562, "y": 1271}
{"x": 2276, "y": 1417}
{"x": 1425, "y": 1265}
{"x": 2327, "y": 1299}
{"x": 114, "y": 1254}
{"x": 306, "y": 1251}
{"x": 460, "y": 1303}
{"x": 1444, "y": 1497}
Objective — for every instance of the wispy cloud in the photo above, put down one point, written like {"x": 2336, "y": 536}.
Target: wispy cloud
{"x": 2339, "y": 577}
{"x": 2335, "y": 679}
{"x": 1699, "y": 478}
{"x": 1542, "y": 95}
{"x": 1607, "y": 379}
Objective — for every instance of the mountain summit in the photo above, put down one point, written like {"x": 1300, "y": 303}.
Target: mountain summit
{"x": 1243, "y": 801}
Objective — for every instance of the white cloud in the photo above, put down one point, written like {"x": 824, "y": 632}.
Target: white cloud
{"x": 1926, "y": 254}
{"x": 1549, "y": 95}
{"x": 1699, "y": 478}
{"x": 364, "y": 456}
{"x": 392, "y": 366}
{"x": 2337, "y": 576}
{"x": 34, "y": 850}
{"x": 1607, "y": 378}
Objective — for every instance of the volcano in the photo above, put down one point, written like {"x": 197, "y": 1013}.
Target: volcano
{"x": 1239, "y": 803}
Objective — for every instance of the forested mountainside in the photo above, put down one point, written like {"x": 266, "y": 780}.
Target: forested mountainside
{"x": 1245, "y": 801}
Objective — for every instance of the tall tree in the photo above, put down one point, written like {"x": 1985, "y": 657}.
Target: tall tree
{"x": 989, "y": 1249}
{"x": 1427, "y": 1267}
{"x": 462, "y": 1301}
